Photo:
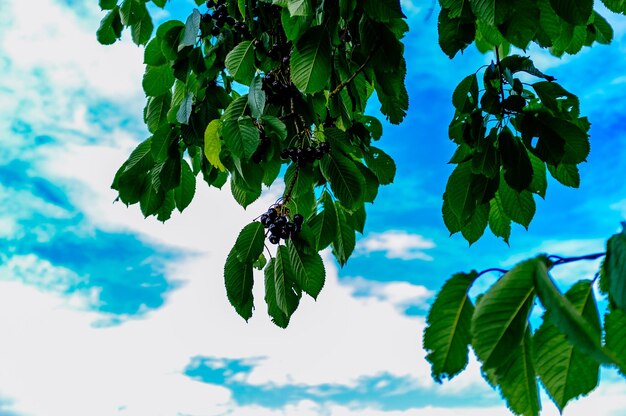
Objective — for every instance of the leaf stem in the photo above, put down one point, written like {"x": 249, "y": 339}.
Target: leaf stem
{"x": 360, "y": 69}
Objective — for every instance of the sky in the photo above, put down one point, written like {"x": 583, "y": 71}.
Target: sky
{"x": 103, "y": 312}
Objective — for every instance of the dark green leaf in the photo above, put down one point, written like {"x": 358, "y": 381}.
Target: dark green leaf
{"x": 110, "y": 29}
{"x": 518, "y": 206}
{"x": 499, "y": 222}
{"x": 615, "y": 335}
{"x": 565, "y": 371}
{"x": 565, "y": 173}
{"x": 383, "y": 10}
{"x": 250, "y": 242}
{"x": 475, "y": 227}
{"x": 132, "y": 11}
{"x": 346, "y": 182}
{"x": 241, "y": 137}
{"x": 107, "y": 4}
{"x": 501, "y": 316}
{"x": 183, "y": 195}
{"x": 518, "y": 170}
{"x": 309, "y": 272}
{"x": 158, "y": 80}
{"x": 310, "y": 61}
{"x": 447, "y": 334}
{"x": 142, "y": 30}
{"x": 576, "y": 12}
{"x": 381, "y": 164}
{"x": 615, "y": 268}
{"x": 239, "y": 282}
{"x": 324, "y": 223}
{"x": 256, "y": 97}
{"x": 240, "y": 62}
{"x": 282, "y": 295}
{"x": 151, "y": 199}
{"x": 345, "y": 239}
{"x": 465, "y": 96}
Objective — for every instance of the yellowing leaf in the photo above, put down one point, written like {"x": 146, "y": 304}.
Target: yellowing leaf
{"x": 213, "y": 144}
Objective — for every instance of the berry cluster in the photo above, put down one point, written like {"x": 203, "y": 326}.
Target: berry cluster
{"x": 279, "y": 226}
{"x": 219, "y": 18}
{"x": 305, "y": 155}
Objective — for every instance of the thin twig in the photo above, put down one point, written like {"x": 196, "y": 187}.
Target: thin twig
{"x": 360, "y": 69}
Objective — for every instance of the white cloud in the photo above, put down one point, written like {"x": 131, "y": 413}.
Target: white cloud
{"x": 400, "y": 294}
{"x": 396, "y": 244}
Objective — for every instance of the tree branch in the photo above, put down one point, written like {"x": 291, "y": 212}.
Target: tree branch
{"x": 557, "y": 261}
{"x": 360, "y": 69}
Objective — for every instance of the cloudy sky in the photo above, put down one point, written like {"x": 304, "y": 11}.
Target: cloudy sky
{"x": 105, "y": 313}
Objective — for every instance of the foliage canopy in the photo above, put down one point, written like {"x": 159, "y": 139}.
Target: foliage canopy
{"x": 249, "y": 91}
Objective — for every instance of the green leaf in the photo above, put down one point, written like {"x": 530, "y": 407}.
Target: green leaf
{"x": 250, "y": 242}
{"x": 455, "y": 34}
{"x": 603, "y": 29}
{"x": 243, "y": 195}
{"x": 346, "y": 182}
{"x": 465, "y": 96}
{"x": 518, "y": 206}
{"x": 161, "y": 143}
{"x": 518, "y": 381}
{"x": 156, "y": 113}
{"x": 183, "y": 195}
{"x": 282, "y": 295}
{"x": 170, "y": 173}
{"x": 240, "y": 62}
{"x": 158, "y": 80}
{"x": 563, "y": 314}
{"x": 192, "y": 27}
{"x": 501, "y": 316}
{"x": 110, "y": 29}
{"x": 567, "y": 174}
{"x": 576, "y": 12}
{"x": 345, "y": 239}
{"x": 565, "y": 371}
{"x": 159, "y": 3}
{"x": 475, "y": 227}
{"x": 213, "y": 144}
{"x": 518, "y": 170}
{"x": 447, "y": 334}
{"x": 517, "y": 63}
{"x": 151, "y": 200}
{"x": 493, "y": 12}
{"x": 311, "y": 61}
{"x": 167, "y": 207}
{"x": 256, "y": 97}
{"x": 242, "y": 137}
{"x": 499, "y": 222}
{"x": 383, "y": 10}
{"x": 142, "y": 30}
{"x": 132, "y": 11}
{"x": 302, "y": 200}
{"x": 615, "y": 335}
{"x": 381, "y": 164}
{"x": 107, "y": 4}
{"x": 239, "y": 281}
{"x": 184, "y": 111}
{"x": 539, "y": 184}
{"x": 140, "y": 160}
{"x": 459, "y": 193}
{"x": 324, "y": 223}
{"x": 616, "y": 6}
{"x": 615, "y": 268}
{"x": 300, "y": 7}
{"x": 274, "y": 127}
{"x": 309, "y": 272}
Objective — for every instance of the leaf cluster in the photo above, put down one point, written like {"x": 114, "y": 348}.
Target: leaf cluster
{"x": 563, "y": 353}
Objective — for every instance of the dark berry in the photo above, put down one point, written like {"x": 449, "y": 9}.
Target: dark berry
{"x": 290, "y": 227}
{"x": 275, "y": 229}
{"x": 230, "y": 20}
{"x": 274, "y": 239}
{"x": 286, "y": 60}
{"x": 325, "y": 147}
{"x": 297, "y": 228}
{"x": 319, "y": 153}
{"x": 265, "y": 220}
{"x": 210, "y": 4}
{"x": 219, "y": 23}
{"x": 275, "y": 85}
{"x": 284, "y": 155}
{"x": 281, "y": 221}
{"x": 298, "y": 219}
{"x": 215, "y": 31}
{"x": 272, "y": 213}
{"x": 206, "y": 18}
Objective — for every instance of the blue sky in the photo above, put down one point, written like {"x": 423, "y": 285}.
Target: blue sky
{"x": 105, "y": 313}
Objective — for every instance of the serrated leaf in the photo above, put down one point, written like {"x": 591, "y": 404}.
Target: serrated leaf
{"x": 345, "y": 239}
{"x": 250, "y": 242}
{"x": 241, "y": 137}
{"x": 300, "y": 7}
{"x": 475, "y": 228}
{"x": 184, "y": 111}
{"x": 107, "y": 4}
{"x": 499, "y": 222}
{"x": 309, "y": 272}
{"x": 192, "y": 27}
{"x": 158, "y": 80}
{"x": 256, "y": 97}
{"x": 501, "y": 317}
{"x": 156, "y": 113}
{"x": 383, "y": 10}
{"x": 240, "y": 62}
{"x": 539, "y": 184}
{"x": 324, "y": 223}
{"x": 576, "y": 12}
{"x": 142, "y": 30}
{"x": 493, "y": 12}
{"x": 151, "y": 200}
{"x": 346, "y": 182}
{"x": 281, "y": 294}
{"x": 460, "y": 199}
{"x": 110, "y": 29}
{"x": 213, "y": 144}
{"x": 565, "y": 371}
{"x": 183, "y": 195}
{"x": 567, "y": 174}
{"x": 242, "y": 195}
{"x": 239, "y": 280}
{"x": 311, "y": 61}
{"x": 381, "y": 164}
{"x": 170, "y": 173}
{"x": 140, "y": 159}
{"x": 465, "y": 96}
{"x": 614, "y": 268}
{"x": 132, "y": 11}
{"x": 274, "y": 127}
{"x": 518, "y": 169}
{"x": 518, "y": 206}
{"x": 447, "y": 334}
{"x": 566, "y": 318}
{"x": 615, "y": 335}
